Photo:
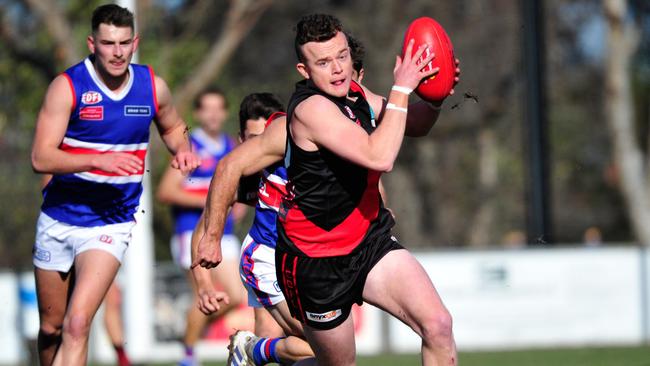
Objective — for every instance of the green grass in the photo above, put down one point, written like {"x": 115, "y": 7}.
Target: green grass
{"x": 612, "y": 356}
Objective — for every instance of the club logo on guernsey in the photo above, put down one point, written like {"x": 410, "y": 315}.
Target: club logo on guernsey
{"x": 137, "y": 110}
{"x": 324, "y": 317}
{"x": 350, "y": 113}
{"x": 91, "y": 97}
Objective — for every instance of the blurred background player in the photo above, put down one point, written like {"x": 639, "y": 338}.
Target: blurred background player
{"x": 92, "y": 134}
{"x": 187, "y": 195}
{"x": 113, "y": 322}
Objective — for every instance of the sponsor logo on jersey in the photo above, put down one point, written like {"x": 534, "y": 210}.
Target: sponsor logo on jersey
{"x": 95, "y": 113}
{"x": 137, "y": 110}
{"x": 42, "y": 255}
{"x": 324, "y": 317}
{"x": 91, "y": 97}
{"x": 350, "y": 113}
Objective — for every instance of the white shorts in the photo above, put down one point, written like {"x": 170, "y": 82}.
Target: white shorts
{"x": 57, "y": 243}
{"x": 257, "y": 271}
{"x": 181, "y": 247}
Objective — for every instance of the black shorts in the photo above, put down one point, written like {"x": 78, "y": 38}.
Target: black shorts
{"x": 320, "y": 291}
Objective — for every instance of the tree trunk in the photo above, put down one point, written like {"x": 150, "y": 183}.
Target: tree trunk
{"x": 619, "y": 112}
{"x": 481, "y": 228}
{"x": 242, "y": 16}
{"x": 58, "y": 26}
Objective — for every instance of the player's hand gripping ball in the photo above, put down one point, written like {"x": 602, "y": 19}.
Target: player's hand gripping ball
{"x": 426, "y": 30}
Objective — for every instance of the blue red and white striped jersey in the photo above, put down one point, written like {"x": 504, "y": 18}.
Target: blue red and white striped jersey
{"x": 272, "y": 189}
{"x": 273, "y": 186}
{"x": 102, "y": 122}
{"x": 210, "y": 150}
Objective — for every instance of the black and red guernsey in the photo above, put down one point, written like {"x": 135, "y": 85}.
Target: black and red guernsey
{"x": 332, "y": 204}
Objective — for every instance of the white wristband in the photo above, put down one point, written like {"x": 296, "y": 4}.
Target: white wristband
{"x": 396, "y": 108}
{"x": 402, "y": 89}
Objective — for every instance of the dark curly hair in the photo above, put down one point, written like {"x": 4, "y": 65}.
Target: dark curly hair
{"x": 357, "y": 52}
{"x": 111, "y": 14}
{"x": 315, "y": 28}
{"x": 258, "y": 105}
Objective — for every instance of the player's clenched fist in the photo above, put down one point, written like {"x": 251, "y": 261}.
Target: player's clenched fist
{"x": 208, "y": 253}
{"x": 119, "y": 163}
{"x": 186, "y": 161}
{"x": 210, "y": 299}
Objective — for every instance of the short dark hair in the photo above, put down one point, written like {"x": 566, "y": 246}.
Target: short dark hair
{"x": 258, "y": 105}
{"x": 112, "y": 14}
{"x": 315, "y": 28}
{"x": 208, "y": 91}
{"x": 357, "y": 52}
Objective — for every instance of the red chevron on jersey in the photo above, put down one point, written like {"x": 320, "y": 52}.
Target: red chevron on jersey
{"x": 271, "y": 191}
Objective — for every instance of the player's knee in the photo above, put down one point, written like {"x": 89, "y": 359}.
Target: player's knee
{"x": 50, "y": 330}
{"x": 437, "y": 328}
{"x": 77, "y": 325}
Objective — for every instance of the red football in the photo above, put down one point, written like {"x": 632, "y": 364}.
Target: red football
{"x": 426, "y": 30}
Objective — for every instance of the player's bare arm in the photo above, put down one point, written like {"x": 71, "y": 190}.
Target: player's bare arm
{"x": 209, "y": 297}
{"x": 47, "y": 155}
{"x": 173, "y": 130}
{"x": 170, "y": 191}
{"x": 248, "y": 158}
{"x": 421, "y": 116}
{"x": 376, "y": 151}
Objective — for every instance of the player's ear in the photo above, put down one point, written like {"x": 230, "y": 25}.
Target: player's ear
{"x": 361, "y": 73}
{"x": 90, "y": 42}
{"x": 302, "y": 69}
{"x": 136, "y": 42}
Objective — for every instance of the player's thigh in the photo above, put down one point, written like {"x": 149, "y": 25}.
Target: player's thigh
{"x": 265, "y": 324}
{"x": 333, "y": 347}
{"x": 415, "y": 304}
{"x": 291, "y": 326}
{"x": 52, "y": 292}
{"x": 95, "y": 271}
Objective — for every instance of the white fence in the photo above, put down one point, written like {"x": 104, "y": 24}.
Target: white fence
{"x": 499, "y": 300}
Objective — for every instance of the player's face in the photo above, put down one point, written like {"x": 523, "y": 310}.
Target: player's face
{"x": 212, "y": 113}
{"x": 113, "y": 48}
{"x": 254, "y": 127}
{"x": 328, "y": 64}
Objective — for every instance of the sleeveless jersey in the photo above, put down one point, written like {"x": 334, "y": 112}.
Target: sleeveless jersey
{"x": 102, "y": 121}
{"x": 332, "y": 204}
{"x": 198, "y": 182}
{"x": 272, "y": 187}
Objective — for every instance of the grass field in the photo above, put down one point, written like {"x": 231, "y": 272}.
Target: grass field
{"x": 619, "y": 356}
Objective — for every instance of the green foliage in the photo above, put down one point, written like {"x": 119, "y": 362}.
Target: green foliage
{"x": 435, "y": 188}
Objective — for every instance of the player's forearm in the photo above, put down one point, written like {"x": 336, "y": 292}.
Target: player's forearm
{"x": 221, "y": 196}
{"x": 421, "y": 117}
{"x": 56, "y": 161}
{"x": 176, "y": 138}
{"x": 201, "y": 275}
{"x": 386, "y": 140}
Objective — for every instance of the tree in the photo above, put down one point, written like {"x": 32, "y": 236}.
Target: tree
{"x": 622, "y": 41}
